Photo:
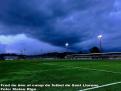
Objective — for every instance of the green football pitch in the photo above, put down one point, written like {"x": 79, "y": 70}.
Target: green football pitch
{"x": 63, "y": 75}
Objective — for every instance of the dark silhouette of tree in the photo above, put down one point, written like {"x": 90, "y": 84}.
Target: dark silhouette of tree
{"x": 95, "y": 50}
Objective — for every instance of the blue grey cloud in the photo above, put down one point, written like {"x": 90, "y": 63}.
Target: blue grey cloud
{"x": 23, "y": 44}
{"x": 59, "y": 21}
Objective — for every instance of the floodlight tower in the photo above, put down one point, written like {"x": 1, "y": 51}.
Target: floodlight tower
{"x": 23, "y": 52}
{"x": 66, "y": 45}
{"x": 100, "y": 41}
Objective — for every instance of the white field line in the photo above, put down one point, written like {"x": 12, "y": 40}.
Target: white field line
{"x": 106, "y": 85}
{"x": 42, "y": 70}
{"x": 68, "y": 68}
{"x": 87, "y": 69}
{"x": 101, "y": 70}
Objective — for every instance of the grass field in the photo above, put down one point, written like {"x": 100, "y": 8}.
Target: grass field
{"x": 61, "y": 72}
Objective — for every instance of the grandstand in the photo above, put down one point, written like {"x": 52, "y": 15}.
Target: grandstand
{"x": 109, "y": 55}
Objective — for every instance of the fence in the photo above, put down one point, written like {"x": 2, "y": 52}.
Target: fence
{"x": 112, "y": 55}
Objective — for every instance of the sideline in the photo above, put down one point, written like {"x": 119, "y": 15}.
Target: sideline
{"x": 79, "y": 67}
{"x": 106, "y": 85}
{"x": 66, "y": 68}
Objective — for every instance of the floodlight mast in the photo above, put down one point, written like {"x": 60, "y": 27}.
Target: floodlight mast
{"x": 100, "y": 41}
{"x": 23, "y": 51}
{"x": 66, "y": 45}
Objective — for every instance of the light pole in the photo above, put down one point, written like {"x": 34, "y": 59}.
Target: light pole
{"x": 23, "y": 52}
{"x": 66, "y": 45}
{"x": 100, "y": 41}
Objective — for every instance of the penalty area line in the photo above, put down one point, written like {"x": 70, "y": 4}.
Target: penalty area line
{"x": 106, "y": 85}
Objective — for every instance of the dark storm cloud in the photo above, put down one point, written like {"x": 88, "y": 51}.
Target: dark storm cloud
{"x": 60, "y": 21}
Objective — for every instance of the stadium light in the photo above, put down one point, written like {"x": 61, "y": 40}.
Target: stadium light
{"x": 100, "y": 36}
{"x": 66, "y": 44}
{"x": 100, "y": 40}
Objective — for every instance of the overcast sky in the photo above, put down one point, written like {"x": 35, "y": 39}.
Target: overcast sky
{"x": 40, "y": 26}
